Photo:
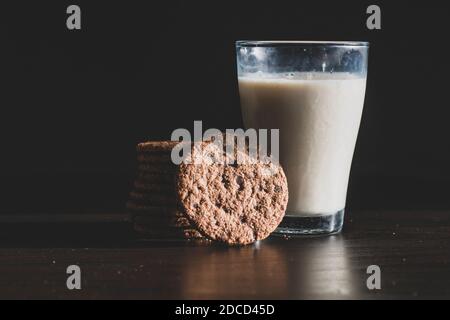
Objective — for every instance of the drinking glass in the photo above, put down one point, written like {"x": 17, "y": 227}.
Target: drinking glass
{"x": 313, "y": 92}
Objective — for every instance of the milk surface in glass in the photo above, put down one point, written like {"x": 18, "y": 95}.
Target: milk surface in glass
{"x": 318, "y": 115}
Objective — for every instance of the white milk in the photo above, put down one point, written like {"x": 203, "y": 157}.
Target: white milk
{"x": 318, "y": 116}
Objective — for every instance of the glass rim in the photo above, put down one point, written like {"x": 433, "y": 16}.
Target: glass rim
{"x": 299, "y": 43}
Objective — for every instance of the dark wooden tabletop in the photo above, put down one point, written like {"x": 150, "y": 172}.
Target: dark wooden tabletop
{"x": 412, "y": 249}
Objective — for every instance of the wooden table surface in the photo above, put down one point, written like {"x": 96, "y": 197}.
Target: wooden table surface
{"x": 412, "y": 248}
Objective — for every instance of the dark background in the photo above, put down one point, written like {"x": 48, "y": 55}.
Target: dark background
{"x": 75, "y": 103}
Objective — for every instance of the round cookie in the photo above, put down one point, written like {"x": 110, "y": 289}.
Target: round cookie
{"x": 156, "y": 178}
{"x": 152, "y": 198}
{"x": 156, "y": 146}
{"x": 157, "y": 168}
{"x": 167, "y": 232}
{"x": 232, "y": 203}
{"x": 154, "y": 158}
{"x": 136, "y": 206}
{"x": 144, "y": 186}
{"x": 162, "y": 215}
{"x": 158, "y": 223}
{"x": 162, "y": 221}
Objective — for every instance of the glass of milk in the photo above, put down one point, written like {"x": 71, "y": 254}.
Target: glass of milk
{"x": 313, "y": 92}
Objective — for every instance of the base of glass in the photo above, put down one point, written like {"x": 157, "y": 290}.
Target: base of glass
{"x": 295, "y": 225}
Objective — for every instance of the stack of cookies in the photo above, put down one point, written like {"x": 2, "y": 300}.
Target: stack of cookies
{"x": 206, "y": 197}
{"x": 153, "y": 202}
